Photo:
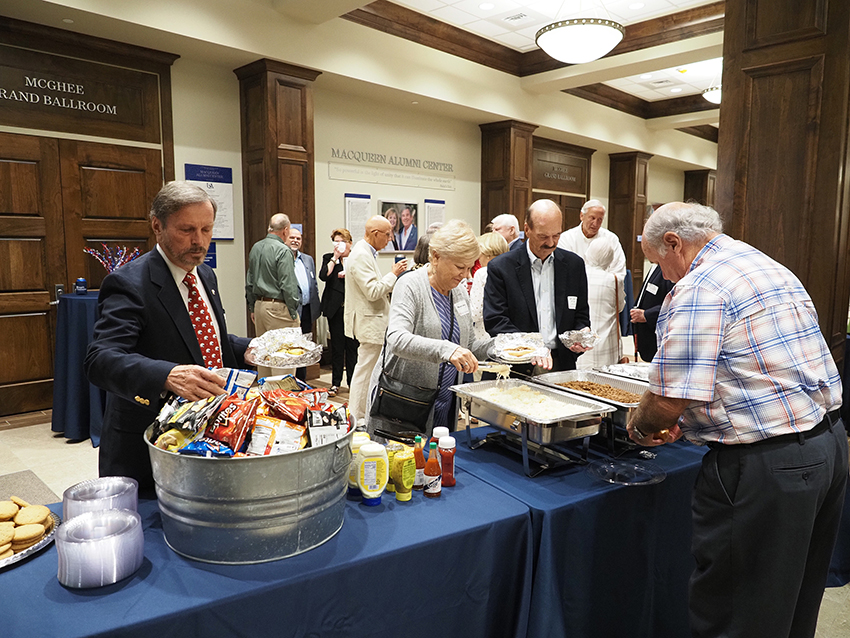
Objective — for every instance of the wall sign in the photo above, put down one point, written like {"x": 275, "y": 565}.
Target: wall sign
{"x": 55, "y": 93}
{"x": 217, "y": 181}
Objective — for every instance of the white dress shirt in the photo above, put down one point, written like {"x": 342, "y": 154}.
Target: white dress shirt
{"x": 543, "y": 279}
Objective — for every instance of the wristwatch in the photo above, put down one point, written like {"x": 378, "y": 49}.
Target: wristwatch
{"x": 640, "y": 434}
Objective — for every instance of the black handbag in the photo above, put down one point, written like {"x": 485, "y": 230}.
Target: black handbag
{"x": 404, "y": 403}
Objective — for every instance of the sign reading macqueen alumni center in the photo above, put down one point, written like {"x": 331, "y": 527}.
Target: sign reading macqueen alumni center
{"x": 52, "y": 92}
{"x": 381, "y": 168}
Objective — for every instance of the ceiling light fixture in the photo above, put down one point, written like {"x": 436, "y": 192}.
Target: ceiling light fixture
{"x": 579, "y": 40}
{"x": 712, "y": 94}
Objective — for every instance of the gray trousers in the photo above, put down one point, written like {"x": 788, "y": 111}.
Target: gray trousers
{"x": 765, "y": 520}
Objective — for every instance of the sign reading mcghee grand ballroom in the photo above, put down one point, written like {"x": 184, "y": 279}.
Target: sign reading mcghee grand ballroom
{"x": 367, "y": 157}
{"x": 59, "y": 101}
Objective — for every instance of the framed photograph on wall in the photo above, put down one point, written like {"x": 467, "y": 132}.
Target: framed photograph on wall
{"x": 404, "y": 219}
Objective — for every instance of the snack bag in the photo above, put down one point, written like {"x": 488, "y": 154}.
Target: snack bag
{"x": 292, "y": 408}
{"x": 230, "y": 425}
{"x": 174, "y": 439}
{"x": 237, "y": 381}
{"x": 206, "y": 447}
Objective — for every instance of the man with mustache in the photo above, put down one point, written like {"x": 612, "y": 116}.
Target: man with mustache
{"x": 161, "y": 329}
{"x": 539, "y": 287}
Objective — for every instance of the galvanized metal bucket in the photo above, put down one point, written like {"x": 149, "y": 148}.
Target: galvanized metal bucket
{"x": 251, "y": 509}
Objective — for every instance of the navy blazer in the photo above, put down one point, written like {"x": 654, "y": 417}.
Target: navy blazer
{"x": 650, "y": 303}
{"x": 411, "y": 239}
{"x": 310, "y": 266}
{"x": 142, "y": 332}
{"x": 510, "y": 306}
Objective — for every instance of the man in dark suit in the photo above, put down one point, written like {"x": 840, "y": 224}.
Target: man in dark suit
{"x": 539, "y": 288}
{"x": 644, "y": 315}
{"x": 408, "y": 235}
{"x": 146, "y": 342}
{"x": 305, "y": 273}
{"x": 507, "y": 226}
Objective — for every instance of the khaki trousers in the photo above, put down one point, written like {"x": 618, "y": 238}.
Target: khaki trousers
{"x": 271, "y": 315}
{"x": 358, "y": 392}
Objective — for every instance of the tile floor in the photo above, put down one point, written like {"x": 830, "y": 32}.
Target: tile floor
{"x": 27, "y": 443}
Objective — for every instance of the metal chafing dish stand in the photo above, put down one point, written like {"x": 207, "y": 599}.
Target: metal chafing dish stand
{"x": 613, "y": 428}
{"x": 535, "y": 438}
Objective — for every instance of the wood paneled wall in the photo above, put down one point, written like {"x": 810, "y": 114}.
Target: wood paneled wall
{"x": 783, "y": 148}
{"x": 506, "y": 161}
{"x": 701, "y": 186}
{"x": 627, "y": 205}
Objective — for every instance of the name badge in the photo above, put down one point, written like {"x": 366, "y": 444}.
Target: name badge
{"x": 461, "y": 310}
{"x": 652, "y": 289}
{"x": 572, "y": 302}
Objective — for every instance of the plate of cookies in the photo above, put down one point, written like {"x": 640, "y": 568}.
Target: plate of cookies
{"x": 25, "y": 530}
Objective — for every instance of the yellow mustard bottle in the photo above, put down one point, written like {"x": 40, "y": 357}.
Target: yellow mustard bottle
{"x": 373, "y": 472}
{"x": 357, "y": 441}
{"x": 392, "y": 449}
{"x": 403, "y": 471}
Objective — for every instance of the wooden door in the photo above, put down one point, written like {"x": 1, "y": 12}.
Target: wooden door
{"x": 107, "y": 191}
{"x": 58, "y": 197}
{"x": 32, "y": 260}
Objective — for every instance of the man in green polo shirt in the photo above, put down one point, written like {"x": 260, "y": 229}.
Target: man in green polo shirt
{"x": 271, "y": 287}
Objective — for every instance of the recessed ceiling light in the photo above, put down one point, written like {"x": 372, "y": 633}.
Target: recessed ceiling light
{"x": 675, "y": 90}
{"x": 634, "y": 6}
{"x": 646, "y": 76}
{"x": 486, "y": 6}
{"x": 68, "y": 21}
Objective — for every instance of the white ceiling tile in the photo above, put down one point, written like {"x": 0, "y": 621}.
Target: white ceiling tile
{"x": 422, "y": 6}
{"x": 485, "y": 28}
{"x": 513, "y": 40}
{"x": 499, "y": 6}
{"x": 453, "y": 16}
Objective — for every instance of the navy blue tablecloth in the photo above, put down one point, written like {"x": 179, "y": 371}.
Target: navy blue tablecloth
{"x": 77, "y": 405}
{"x": 609, "y": 560}
{"x": 459, "y": 566}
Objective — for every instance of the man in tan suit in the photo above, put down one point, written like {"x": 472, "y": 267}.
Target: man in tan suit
{"x": 367, "y": 306}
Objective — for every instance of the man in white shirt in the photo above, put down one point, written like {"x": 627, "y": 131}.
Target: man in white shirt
{"x": 367, "y": 307}
{"x": 590, "y": 229}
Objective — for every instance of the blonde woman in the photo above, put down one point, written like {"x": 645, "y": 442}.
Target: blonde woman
{"x": 492, "y": 245}
{"x": 430, "y": 339}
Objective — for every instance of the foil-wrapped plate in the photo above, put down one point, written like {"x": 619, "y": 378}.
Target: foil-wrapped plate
{"x": 518, "y": 347}
{"x": 35, "y": 549}
{"x": 283, "y": 348}
{"x": 626, "y": 472}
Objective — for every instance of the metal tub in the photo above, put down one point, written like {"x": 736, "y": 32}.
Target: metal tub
{"x": 251, "y": 509}
{"x": 544, "y": 432}
{"x": 624, "y": 410}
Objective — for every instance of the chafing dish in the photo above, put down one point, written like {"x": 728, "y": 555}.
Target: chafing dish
{"x": 623, "y": 411}
{"x": 543, "y": 431}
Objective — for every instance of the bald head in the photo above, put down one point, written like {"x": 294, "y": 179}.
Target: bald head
{"x": 279, "y": 225}
{"x": 543, "y": 225}
{"x": 378, "y": 232}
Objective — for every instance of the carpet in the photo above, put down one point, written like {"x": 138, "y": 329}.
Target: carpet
{"x": 28, "y": 486}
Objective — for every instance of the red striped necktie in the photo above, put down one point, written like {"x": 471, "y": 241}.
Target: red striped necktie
{"x": 202, "y": 322}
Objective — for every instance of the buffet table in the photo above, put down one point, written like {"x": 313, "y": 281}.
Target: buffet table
{"x": 459, "y": 565}
{"x": 609, "y": 560}
{"x": 77, "y": 404}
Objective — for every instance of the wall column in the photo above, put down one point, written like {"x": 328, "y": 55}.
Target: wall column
{"x": 627, "y": 206}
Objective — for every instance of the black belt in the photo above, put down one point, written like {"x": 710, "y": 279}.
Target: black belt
{"x": 828, "y": 421}
{"x": 268, "y": 299}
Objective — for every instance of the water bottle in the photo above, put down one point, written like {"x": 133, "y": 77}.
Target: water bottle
{"x": 80, "y": 286}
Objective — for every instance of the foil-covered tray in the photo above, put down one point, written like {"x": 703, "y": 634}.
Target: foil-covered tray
{"x": 40, "y": 545}
{"x": 552, "y": 379}
{"x": 637, "y": 370}
{"x": 584, "y": 420}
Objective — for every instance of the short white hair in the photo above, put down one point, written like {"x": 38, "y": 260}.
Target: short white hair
{"x": 692, "y": 222}
{"x": 593, "y": 203}
{"x": 600, "y": 253}
{"x": 506, "y": 219}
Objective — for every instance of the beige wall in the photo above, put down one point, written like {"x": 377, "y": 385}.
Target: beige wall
{"x": 664, "y": 183}
{"x": 206, "y": 131}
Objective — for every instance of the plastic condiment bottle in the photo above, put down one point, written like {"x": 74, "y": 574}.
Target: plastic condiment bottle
{"x": 439, "y": 432}
{"x": 357, "y": 441}
{"x": 403, "y": 471}
{"x": 432, "y": 473}
{"x": 419, "y": 481}
{"x": 447, "y": 455}
{"x": 392, "y": 449}
{"x": 372, "y": 472}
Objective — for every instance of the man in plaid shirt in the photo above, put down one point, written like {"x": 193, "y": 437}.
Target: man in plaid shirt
{"x": 743, "y": 367}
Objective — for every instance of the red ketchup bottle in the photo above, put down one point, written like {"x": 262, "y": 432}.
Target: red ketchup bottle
{"x": 433, "y": 487}
{"x": 447, "y": 460}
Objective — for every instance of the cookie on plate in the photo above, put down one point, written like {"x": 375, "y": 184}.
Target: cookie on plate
{"x": 18, "y": 500}
{"x": 8, "y": 509}
{"x": 7, "y": 533}
{"x": 7, "y": 554}
{"x": 32, "y": 514}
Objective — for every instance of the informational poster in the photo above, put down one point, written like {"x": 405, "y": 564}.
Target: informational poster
{"x": 435, "y": 211}
{"x": 210, "y": 258}
{"x": 357, "y": 211}
{"x": 217, "y": 181}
